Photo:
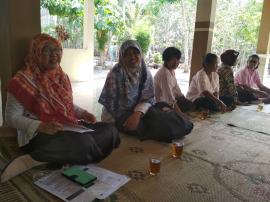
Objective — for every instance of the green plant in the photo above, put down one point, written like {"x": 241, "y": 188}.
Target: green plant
{"x": 108, "y": 21}
{"x": 144, "y": 39}
{"x": 157, "y": 58}
{"x": 102, "y": 37}
{"x": 64, "y": 8}
{"x": 70, "y": 16}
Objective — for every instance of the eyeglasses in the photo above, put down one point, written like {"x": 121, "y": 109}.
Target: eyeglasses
{"x": 50, "y": 51}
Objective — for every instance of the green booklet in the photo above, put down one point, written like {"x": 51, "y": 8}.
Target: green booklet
{"x": 80, "y": 176}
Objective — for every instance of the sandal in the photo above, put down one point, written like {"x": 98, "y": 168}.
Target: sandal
{"x": 18, "y": 166}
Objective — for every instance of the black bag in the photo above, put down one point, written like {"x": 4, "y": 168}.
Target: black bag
{"x": 162, "y": 123}
{"x": 157, "y": 124}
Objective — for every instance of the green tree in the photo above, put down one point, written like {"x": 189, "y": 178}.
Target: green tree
{"x": 178, "y": 20}
{"x": 144, "y": 39}
{"x": 64, "y": 8}
{"x": 108, "y": 22}
{"x": 137, "y": 24}
{"x": 157, "y": 58}
{"x": 69, "y": 15}
{"x": 236, "y": 27}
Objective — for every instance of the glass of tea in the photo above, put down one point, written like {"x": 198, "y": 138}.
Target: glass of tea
{"x": 154, "y": 165}
{"x": 205, "y": 114}
{"x": 260, "y": 107}
{"x": 177, "y": 147}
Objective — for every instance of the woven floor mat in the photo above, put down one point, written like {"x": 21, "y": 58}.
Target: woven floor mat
{"x": 219, "y": 163}
{"x": 247, "y": 119}
{"x": 20, "y": 188}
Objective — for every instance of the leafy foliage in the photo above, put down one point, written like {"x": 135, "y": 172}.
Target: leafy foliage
{"x": 236, "y": 27}
{"x": 64, "y": 8}
{"x": 178, "y": 20}
{"x": 69, "y": 15}
{"x": 161, "y": 23}
{"x": 144, "y": 39}
{"x": 157, "y": 58}
{"x": 108, "y": 21}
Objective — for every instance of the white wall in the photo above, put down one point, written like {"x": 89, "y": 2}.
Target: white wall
{"x": 78, "y": 64}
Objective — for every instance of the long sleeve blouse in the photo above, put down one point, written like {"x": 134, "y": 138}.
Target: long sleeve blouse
{"x": 24, "y": 121}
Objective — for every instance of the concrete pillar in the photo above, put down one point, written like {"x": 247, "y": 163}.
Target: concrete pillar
{"x": 203, "y": 33}
{"x": 264, "y": 39}
{"x": 88, "y": 38}
{"x": 88, "y": 25}
{"x": 78, "y": 63}
{"x": 19, "y": 22}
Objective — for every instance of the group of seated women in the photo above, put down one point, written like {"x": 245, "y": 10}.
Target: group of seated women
{"x": 246, "y": 86}
{"x": 40, "y": 104}
{"x": 213, "y": 88}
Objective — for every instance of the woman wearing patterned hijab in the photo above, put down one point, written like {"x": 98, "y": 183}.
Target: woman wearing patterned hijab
{"x": 128, "y": 100}
{"x": 40, "y": 106}
{"x": 128, "y": 91}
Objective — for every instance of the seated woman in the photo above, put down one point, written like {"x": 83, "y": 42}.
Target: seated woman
{"x": 40, "y": 106}
{"x": 227, "y": 89}
{"x": 166, "y": 87}
{"x": 204, "y": 88}
{"x": 128, "y": 95}
{"x": 248, "y": 83}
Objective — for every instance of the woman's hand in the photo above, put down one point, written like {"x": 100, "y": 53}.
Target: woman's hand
{"x": 50, "y": 127}
{"x": 88, "y": 117}
{"x": 223, "y": 108}
{"x": 176, "y": 108}
{"x": 262, "y": 94}
{"x": 133, "y": 121}
{"x": 215, "y": 94}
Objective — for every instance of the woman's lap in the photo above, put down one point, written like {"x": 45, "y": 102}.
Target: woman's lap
{"x": 72, "y": 147}
{"x": 228, "y": 100}
{"x": 246, "y": 96}
{"x": 184, "y": 104}
{"x": 206, "y": 103}
{"x": 158, "y": 125}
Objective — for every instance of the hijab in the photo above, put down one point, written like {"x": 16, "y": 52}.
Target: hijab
{"x": 46, "y": 94}
{"x": 126, "y": 87}
{"x": 132, "y": 73}
{"x": 229, "y": 57}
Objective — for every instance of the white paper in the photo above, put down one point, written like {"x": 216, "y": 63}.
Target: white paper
{"x": 107, "y": 182}
{"x": 76, "y": 128}
{"x": 63, "y": 188}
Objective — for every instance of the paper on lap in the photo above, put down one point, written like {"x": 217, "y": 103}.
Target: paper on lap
{"x": 76, "y": 128}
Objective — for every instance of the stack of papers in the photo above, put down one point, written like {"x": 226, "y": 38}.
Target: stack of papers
{"x": 107, "y": 182}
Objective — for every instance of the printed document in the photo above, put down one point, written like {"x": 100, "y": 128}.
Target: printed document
{"x": 107, "y": 182}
